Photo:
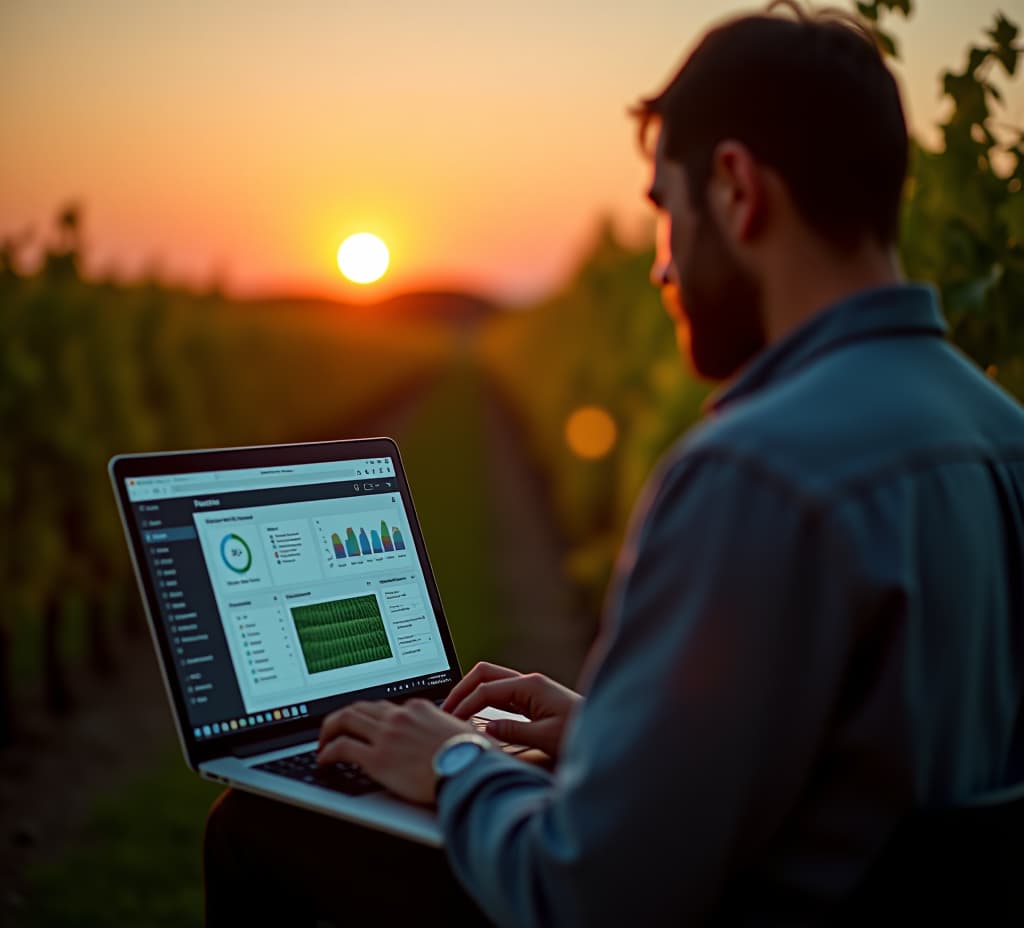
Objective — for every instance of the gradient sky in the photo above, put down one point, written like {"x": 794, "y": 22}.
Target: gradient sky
{"x": 242, "y": 141}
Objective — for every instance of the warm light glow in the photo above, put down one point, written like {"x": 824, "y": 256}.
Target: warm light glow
{"x": 363, "y": 258}
{"x": 590, "y": 432}
{"x": 338, "y": 159}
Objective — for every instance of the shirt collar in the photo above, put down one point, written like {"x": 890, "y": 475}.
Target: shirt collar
{"x": 899, "y": 309}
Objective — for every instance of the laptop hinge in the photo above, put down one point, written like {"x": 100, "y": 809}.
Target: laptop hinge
{"x": 275, "y": 744}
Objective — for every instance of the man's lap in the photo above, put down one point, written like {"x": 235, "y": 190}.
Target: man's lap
{"x": 270, "y": 861}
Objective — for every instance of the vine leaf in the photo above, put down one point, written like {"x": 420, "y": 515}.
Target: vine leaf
{"x": 1012, "y": 214}
{"x": 1003, "y": 35}
{"x": 887, "y": 42}
{"x": 968, "y": 97}
{"x": 868, "y": 10}
{"x": 971, "y": 296}
{"x": 976, "y": 58}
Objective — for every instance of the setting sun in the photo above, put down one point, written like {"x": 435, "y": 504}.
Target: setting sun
{"x": 363, "y": 258}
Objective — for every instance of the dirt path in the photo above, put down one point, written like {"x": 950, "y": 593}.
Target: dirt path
{"x": 538, "y": 605}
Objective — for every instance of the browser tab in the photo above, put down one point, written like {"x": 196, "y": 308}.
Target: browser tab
{"x": 253, "y": 478}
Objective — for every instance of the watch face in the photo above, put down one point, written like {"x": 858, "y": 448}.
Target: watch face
{"x": 457, "y": 757}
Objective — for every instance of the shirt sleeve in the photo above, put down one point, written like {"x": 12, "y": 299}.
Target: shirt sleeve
{"x": 711, "y": 687}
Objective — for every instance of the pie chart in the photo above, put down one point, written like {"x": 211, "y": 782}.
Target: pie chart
{"x": 235, "y": 553}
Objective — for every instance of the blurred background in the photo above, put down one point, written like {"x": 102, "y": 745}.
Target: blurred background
{"x": 175, "y": 183}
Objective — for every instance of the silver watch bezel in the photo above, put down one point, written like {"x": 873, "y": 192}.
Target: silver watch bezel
{"x": 454, "y": 742}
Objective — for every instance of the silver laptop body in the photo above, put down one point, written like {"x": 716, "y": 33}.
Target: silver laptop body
{"x": 281, "y": 583}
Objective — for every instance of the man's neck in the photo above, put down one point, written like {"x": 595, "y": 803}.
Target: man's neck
{"x": 807, "y": 280}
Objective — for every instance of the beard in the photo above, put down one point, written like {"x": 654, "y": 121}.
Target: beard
{"x": 717, "y": 307}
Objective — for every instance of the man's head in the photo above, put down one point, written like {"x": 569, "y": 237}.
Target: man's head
{"x": 779, "y": 135}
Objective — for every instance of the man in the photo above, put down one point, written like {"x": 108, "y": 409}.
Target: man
{"x": 817, "y": 622}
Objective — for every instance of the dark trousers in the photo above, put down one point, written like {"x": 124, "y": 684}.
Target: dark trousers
{"x": 269, "y": 863}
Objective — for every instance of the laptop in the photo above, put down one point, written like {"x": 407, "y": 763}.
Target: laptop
{"x": 281, "y": 583}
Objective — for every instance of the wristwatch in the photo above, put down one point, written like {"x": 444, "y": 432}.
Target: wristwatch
{"x": 456, "y": 754}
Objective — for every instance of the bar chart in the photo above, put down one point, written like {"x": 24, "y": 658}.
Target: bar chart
{"x": 359, "y": 541}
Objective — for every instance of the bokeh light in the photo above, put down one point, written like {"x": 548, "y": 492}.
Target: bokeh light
{"x": 590, "y": 432}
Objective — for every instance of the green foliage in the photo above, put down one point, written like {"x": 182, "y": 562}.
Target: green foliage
{"x": 871, "y": 12}
{"x": 605, "y": 340}
{"x": 963, "y": 216}
{"x": 139, "y": 861}
{"x": 88, "y": 370}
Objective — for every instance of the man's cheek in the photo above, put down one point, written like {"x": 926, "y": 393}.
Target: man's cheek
{"x": 682, "y": 245}
{"x": 684, "y": 338}
{"x": 663, "y": 244}
{"x": 671, "y": 299}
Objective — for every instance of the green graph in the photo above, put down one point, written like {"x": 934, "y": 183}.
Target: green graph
{"x": 341, "y": 633}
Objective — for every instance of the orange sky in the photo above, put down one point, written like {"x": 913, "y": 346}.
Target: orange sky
{"x": 244, "y": 140}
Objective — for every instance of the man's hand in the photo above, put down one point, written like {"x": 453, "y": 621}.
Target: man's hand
{"x": 393, "y": 744}
{"x": 546, "y": 703}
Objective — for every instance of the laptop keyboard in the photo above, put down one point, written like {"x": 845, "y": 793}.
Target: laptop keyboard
{"x": 341, "y": 778}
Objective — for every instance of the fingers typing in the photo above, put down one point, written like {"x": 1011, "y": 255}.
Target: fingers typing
{"x": 499, "y": 694}
{"x": 344, "y": 750}
{"x": 360, "y": 718}
{"x": 482, "y": 672}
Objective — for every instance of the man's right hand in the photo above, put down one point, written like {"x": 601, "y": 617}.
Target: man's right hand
{"x": 544, "y": 702}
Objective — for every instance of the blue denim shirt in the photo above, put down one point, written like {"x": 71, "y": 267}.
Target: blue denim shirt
{"x": 817, "y": 623}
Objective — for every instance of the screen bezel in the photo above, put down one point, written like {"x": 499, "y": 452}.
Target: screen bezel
{"x": 127, "y": 466}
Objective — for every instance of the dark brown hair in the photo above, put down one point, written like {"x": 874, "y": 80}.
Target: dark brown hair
{"x": 811, "y": 97}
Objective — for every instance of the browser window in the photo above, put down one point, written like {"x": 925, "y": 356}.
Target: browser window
{"x": 282, "y": 587}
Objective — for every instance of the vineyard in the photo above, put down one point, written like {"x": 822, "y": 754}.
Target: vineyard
{"x": 605, "y": 341}
{"x": 91, "y": 368}
{"x": 88, "y": 370}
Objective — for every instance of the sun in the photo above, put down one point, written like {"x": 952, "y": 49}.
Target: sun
{"x": 363, "y": 258}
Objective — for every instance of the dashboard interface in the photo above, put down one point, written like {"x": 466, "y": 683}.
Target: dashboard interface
{"x": 283, "y": 588}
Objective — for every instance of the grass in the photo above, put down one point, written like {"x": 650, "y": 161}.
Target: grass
{"x": 138, "y": 861}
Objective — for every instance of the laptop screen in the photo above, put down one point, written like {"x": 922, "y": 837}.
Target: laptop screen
{"x": 282, "y": 588}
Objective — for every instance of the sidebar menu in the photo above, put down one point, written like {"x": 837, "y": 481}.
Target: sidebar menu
{"x": 189, "y": 615}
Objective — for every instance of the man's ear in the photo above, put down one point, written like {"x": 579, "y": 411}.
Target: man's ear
{"x": 736, "y": 190}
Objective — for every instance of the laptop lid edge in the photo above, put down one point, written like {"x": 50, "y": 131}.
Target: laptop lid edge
{"x": 150, "y": 621}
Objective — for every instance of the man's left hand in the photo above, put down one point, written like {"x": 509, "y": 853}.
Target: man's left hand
{"x": 395, "y": 745}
